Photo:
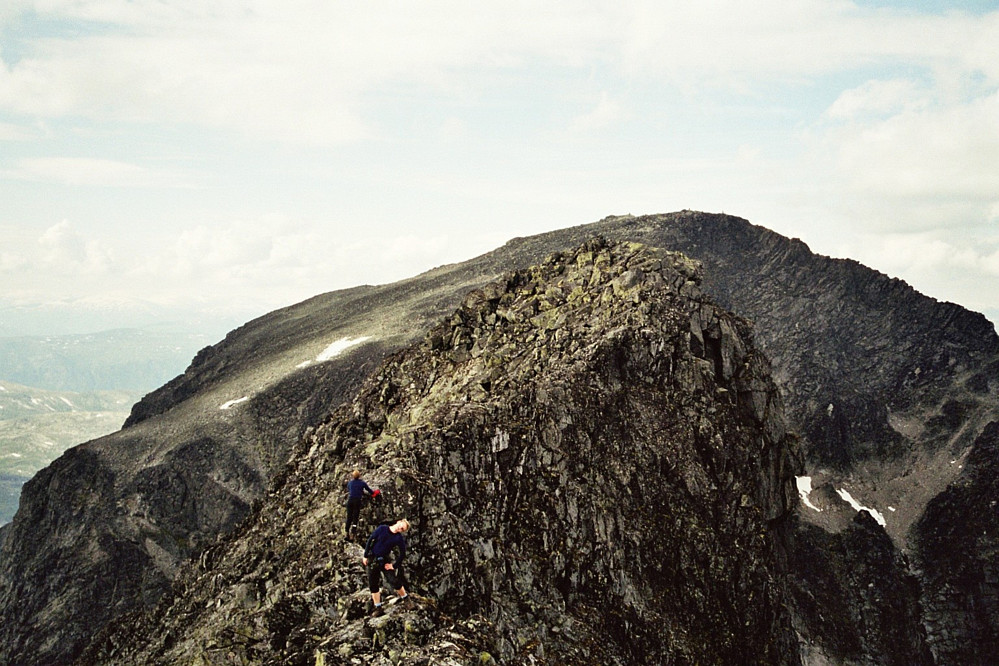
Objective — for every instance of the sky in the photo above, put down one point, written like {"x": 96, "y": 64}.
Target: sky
{"x": 228, "y": 158}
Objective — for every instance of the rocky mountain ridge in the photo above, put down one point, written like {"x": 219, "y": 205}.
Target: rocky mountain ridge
{"x": 568, "y": 445}
{"x": 880, "y": 380}
{"x": 886, "y": 386}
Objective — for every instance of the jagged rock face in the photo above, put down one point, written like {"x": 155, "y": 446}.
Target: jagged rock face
{"x": 838, "y": 333}
{"x": 957, "y": 551}
{"x": 597, "y": 469}
{"x": 67, "y": 575}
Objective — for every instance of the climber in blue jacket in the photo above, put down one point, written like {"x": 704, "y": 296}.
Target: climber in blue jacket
{"x": 357, "y": 490}
{"x": 378, "y": 559}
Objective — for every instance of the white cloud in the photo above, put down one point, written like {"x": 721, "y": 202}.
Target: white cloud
{"x": 946, "y": 151}
{"x": 725, "y": 42}
{"x": 453, "y": 130}
{"x": 928, "y": 254}
{"x": 990, "y": 263}
{"x": 230, "y": 69}
{"x": 295, "y": 71}
{"x": 13, "y": 132}
{"x": 226, "y": 247}
{"x": 304, "y": 70}
{"x": 12, "y": 261}
{"x": 879, "y": 97}
{"x": 67, "y": 252}
{"x": 405, "y": 249}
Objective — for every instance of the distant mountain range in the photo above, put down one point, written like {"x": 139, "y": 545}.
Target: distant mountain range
{"x": 94, "y": 314}
{"x": 120, "y": 359}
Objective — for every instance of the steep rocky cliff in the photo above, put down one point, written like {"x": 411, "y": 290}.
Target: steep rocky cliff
{"x": 889, "y": 390}
{"x": 885, "y": 385}
{"x": 595, "y": 463}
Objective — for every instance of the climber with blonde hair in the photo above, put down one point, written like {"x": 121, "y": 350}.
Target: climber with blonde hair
{"x": 378, "y": 559}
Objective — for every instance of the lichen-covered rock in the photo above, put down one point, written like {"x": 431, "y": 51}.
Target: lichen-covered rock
{"x": 595, "y": 464}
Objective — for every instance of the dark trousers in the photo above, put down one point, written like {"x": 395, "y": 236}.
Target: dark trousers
{"x": 353, "y": 513}
{"x": 393, "y": 577}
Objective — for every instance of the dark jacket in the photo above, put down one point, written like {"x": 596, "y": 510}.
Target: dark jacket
{"x": 381, "y": 542}
{"x": 356, "y": 489}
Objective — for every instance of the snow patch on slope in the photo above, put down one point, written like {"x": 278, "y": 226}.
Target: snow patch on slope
{"x": 804, "y": 490}
{"x": 233, "y": 403}
{"x": 334, "y": 350}
{"x": 339, "y": 347}
{"x": 877, "y": 515}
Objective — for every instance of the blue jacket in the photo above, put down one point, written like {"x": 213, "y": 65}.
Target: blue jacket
{"x": 382, "y": 541}
{"x": 356, "y": 488}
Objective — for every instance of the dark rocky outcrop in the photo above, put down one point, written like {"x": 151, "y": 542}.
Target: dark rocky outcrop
{"x": 957, "y": 553}
{"x": 595, "y": 462}
{"x": 885, "y": 386}
{"x": 855, "y": 600}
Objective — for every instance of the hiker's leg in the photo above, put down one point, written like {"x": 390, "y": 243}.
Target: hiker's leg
{"x": 375, "y": 583}
{"x": 396, "y": 581}
{"x": 353, "y": 514}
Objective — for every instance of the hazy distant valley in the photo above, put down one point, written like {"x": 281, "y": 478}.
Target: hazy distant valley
{"x": 59, "y": 391}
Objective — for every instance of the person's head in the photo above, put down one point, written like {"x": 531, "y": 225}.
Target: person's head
{"x": 401, "y": 525}
{"x": 356, "y": 474}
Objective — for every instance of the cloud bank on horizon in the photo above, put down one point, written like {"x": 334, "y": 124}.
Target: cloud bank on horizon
{"x": 252, "y": 154}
